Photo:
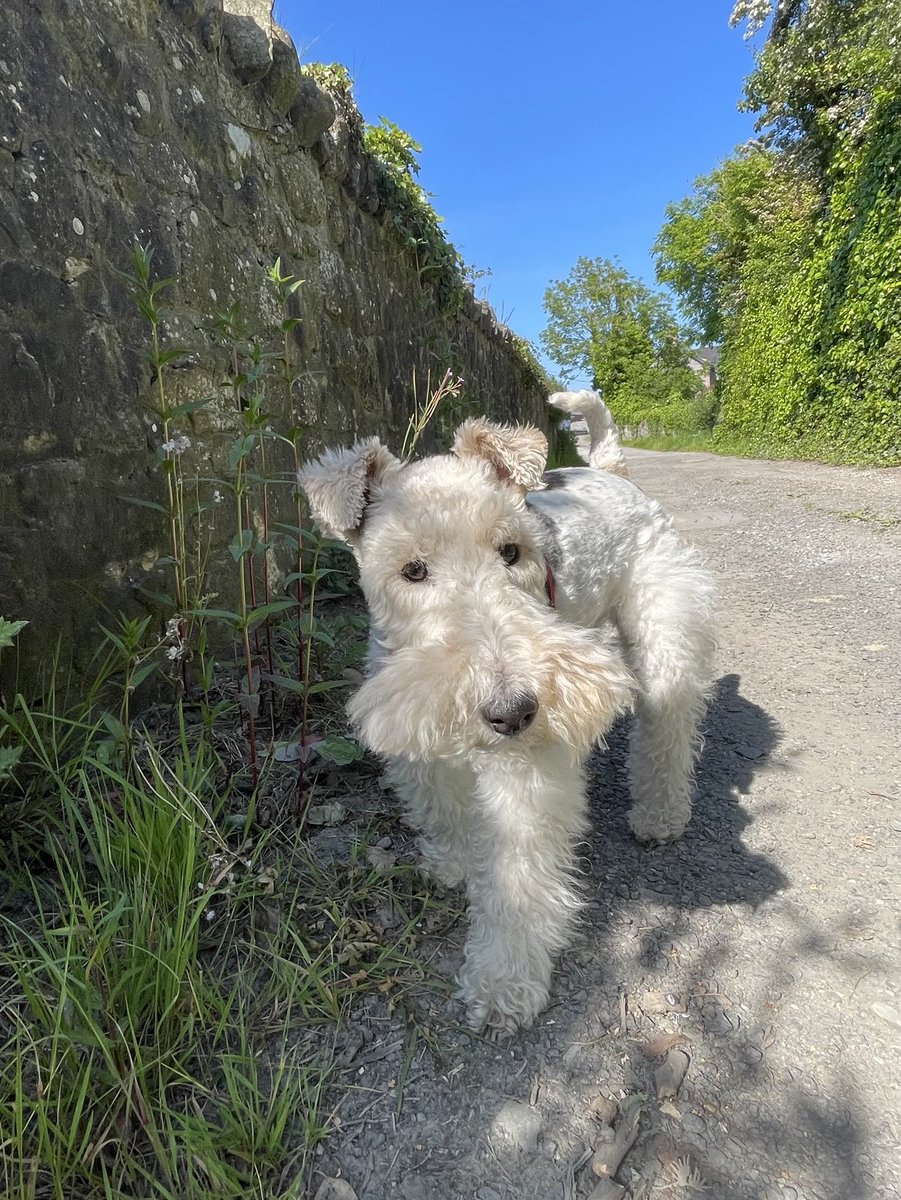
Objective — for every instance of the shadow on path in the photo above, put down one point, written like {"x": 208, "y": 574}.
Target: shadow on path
{"x": 690, "y": 922}
{"x": 710, "y": 865}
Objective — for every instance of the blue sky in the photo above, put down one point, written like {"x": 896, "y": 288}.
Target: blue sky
{"x": 549, "y": 131}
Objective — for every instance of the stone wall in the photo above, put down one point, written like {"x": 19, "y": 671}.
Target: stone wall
{"x": 190, "y": 128}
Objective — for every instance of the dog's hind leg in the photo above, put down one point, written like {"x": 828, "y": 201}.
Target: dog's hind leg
{"x": 528, "y": 812}
{"x": 665, "y": 622}
{"x": 437, "y": 797}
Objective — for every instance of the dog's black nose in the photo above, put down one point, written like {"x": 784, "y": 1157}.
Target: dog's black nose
{"x": 511, "y": 714}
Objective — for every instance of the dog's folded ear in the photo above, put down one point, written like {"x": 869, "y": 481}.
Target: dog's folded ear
{"x": 516, "y": 453}
{"x": 338, "y": 485}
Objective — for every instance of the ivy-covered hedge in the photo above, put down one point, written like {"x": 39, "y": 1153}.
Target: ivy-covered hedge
{"x": 815, "y": 353}
{"x": 789, "y": 253}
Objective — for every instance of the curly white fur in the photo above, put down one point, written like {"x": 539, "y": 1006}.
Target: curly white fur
{"x": 472, "y": 630}
{"x": 604, "y": 452}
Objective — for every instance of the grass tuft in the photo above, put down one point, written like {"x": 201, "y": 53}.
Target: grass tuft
{"x": 174, "y": 993}
{"x": 723, "y": 442}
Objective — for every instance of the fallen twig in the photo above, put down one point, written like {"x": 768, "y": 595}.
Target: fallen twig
{"x": 609, "y": 1156}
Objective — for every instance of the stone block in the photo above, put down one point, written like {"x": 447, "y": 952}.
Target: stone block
{"x": 247, "y": 28}
{"x": 311, "y": 112}
{"x": 283, "y": 81}
{"x": 187, "y": 12}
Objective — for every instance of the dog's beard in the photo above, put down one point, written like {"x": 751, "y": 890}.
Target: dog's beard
{"x": 426, "y": 702}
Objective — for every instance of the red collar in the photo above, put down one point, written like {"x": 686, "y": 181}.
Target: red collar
{"x": 550, "y": 585}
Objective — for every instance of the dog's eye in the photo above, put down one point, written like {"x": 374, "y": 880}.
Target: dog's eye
{"x": 415, "y": 571}
{"x": 509, "y": 552}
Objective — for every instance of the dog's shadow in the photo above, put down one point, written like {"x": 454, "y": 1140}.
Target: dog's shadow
{"x": 710, "y": 864}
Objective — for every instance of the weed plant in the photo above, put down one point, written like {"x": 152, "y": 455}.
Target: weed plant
{"x": 176, "y": 963}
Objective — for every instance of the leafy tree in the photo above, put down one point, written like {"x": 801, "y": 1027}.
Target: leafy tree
{"x": 820, "y": 74}
{"x": 605, "y": 325}
{"x": 790, "y": 252}
{"x": 706, "y": 238}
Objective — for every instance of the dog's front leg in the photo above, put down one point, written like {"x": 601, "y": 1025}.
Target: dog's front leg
{"x": 528, "y": 811}
{"x": 437, "y": 797}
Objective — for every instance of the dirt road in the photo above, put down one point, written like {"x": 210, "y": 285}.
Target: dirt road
{"x": 768, "y": 939}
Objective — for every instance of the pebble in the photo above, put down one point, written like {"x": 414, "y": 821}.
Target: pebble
{"x": 335, "y": 1189}
{"x": 887, "y": 1013}
{"x": 518, "y": 1124}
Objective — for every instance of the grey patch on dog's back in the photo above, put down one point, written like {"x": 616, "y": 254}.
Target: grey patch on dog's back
{"x": 563, "y": 477}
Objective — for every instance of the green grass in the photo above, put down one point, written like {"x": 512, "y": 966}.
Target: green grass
{"x": 868, "y": 516}
{"x": 563, "y": 451}
{"x": 720, "y": 442}
{"x": 173, "y": 980}
{"x": 675, "y": 441}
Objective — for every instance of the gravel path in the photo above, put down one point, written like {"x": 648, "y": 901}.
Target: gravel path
{"x": 765, "y": 945}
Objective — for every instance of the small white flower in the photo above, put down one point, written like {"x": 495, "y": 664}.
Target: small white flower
{"x": 174, "y": 635}
{"x": 217, "y": 497}
{"x": 177, "y": 445}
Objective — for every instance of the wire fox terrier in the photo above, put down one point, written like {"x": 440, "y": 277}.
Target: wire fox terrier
{"x": 489, "y": 582}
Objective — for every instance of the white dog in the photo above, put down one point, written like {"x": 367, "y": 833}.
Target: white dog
{"x": 488, "y": 582}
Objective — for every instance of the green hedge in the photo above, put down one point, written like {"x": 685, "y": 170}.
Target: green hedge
{"x": 816, "y": 351}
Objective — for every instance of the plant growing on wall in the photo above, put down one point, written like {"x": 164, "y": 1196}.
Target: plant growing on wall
{"x": 333, "y": 77}
{"x": 396, "y": 152}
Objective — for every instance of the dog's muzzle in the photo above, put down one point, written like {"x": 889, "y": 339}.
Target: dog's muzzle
{"x": 510, "y": 714}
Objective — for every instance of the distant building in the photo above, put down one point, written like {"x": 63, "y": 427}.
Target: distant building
{"x": 704, "y": 362}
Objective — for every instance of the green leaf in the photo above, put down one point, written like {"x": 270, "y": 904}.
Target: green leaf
{"x": 219, "y": 614}
{"x": 320, "y": 635}
{"x": 326, "y": 685}
{"x": 269, "y": 610}
{"x": 339, "y": 750}
{"x": 298, "y": 686}
{"x": 191, "y": 406}
{"x": 9, "y": 756}
{"x": 152, "y": 504}
{"x": 142, "y": 673}
{"x": 9, "y": 630}
{"x": 239, "y": 451}
{"x": 115, "y": 639}
{"x": 114, "y": 725}
{"x": 150, "y": 312}
{"x": 239, "y": 546}
{"x": 285, "y": 682}
{"x": 164, "y": 357}
{"x": 313, "y": 576}
{"x": 161, "y": 598}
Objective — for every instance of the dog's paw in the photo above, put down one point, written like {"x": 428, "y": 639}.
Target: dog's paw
{"x": 444, "y": 875}
{"x": 656, "y": 827}
{"x": 444, "y": 869}
{"x": 495, "y": 1025}
{"x": 498, "y": 1008}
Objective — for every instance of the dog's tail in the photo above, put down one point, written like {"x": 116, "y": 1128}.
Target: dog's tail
{"x": 605, "y": 452}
